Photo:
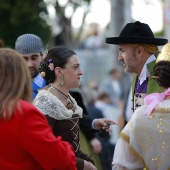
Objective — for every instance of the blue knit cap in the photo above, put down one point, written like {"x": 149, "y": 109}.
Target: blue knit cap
{"x": 28, "y": 44}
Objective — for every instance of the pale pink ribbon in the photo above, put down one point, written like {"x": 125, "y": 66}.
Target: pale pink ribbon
{"x": 153, "y": 99}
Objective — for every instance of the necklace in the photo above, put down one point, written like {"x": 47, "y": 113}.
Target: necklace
{"x": 70, "y": 104}
{"x": 66, "y": 96}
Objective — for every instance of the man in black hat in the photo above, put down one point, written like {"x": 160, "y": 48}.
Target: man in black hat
{"x": 137, "y": 46}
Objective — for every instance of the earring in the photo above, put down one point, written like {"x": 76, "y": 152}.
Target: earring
{"x": 62, "y": 83}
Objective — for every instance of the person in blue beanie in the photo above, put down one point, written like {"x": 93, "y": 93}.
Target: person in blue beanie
{"x": 30, "y": 46}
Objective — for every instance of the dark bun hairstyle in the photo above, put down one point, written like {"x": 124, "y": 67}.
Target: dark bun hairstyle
{"x": 56, "y": 57}
{"x": 162, "y": 72}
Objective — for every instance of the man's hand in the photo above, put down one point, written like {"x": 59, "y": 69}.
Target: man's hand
{"x": 103, "y": 123}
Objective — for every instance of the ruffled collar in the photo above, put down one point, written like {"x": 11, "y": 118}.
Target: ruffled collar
{"x": 50, "y": 105}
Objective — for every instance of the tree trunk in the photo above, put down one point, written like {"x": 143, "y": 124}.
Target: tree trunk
{"x": 120, "y": 16}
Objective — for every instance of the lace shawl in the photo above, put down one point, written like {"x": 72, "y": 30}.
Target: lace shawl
{"x": 50, "y": 105}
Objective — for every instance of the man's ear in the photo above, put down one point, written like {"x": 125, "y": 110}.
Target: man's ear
{"x": 140, "y": 50}
{"x": 42, "y": 55}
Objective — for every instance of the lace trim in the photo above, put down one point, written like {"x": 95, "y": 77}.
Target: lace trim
{"x": 50, "y": 105}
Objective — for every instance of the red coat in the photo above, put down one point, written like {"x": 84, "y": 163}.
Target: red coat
{"x": 28, "y": 143}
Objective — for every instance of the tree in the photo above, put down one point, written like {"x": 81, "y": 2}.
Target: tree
{"x": 66, "y": 36}
{"x": 18, "y": 17}
{"x": 120, "y": 16}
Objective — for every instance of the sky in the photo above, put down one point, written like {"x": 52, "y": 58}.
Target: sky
{"x": 100, "y": 13}
{"x": 151, "y": 14}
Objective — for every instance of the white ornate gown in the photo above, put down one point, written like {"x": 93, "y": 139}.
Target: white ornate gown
{"x": 145, "y": 142}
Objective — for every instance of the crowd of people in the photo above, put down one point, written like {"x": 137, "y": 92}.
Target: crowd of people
{"x": 44, "y": 121}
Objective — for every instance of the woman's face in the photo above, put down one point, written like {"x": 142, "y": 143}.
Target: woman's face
{"x": 72, "y": 72}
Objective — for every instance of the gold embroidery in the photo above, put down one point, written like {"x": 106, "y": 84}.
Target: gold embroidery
{"x": 138, "y": 156}
{"x": 124, "y": 137}
{"x": 149, "y": 138}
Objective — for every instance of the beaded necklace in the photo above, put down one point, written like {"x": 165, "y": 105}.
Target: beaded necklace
{"x": 70, "y": 104}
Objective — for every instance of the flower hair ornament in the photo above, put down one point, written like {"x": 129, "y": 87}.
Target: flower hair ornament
{"x": 43, "y": 74}
{"x": 51, "y": 65}
{"x": 42, "y": 65}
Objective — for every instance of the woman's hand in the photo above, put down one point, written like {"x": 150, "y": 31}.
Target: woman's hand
{"x": 96, "y": 145}
{"x": 89, "y": 166}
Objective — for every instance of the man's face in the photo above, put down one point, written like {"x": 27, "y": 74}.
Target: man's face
{"x": 33, "y": 62}
{"x": 127, "y": 56}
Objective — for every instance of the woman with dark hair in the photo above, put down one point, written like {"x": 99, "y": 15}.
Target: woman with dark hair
{"x": 61, "y": 69}
{"x": 145, "y": 140}
{"x": 27, "y": 141}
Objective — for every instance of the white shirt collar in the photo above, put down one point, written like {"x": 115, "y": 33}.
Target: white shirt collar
{"x": 145, "y": 72}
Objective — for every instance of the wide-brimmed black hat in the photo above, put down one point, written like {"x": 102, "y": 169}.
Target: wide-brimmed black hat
{"x": 136, "y": 33}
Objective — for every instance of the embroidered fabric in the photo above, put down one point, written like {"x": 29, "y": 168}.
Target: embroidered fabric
{"x": 140, "y": 93}
{"x": 138, "y": 100}
{"x": 149, "y": 138}
{"x": 119, "y": 167}
{"x": 50, "y": 105}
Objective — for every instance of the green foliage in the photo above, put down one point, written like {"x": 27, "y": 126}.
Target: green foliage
{"x": 160, "y": 33}
{"x": 22, "y": 16}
